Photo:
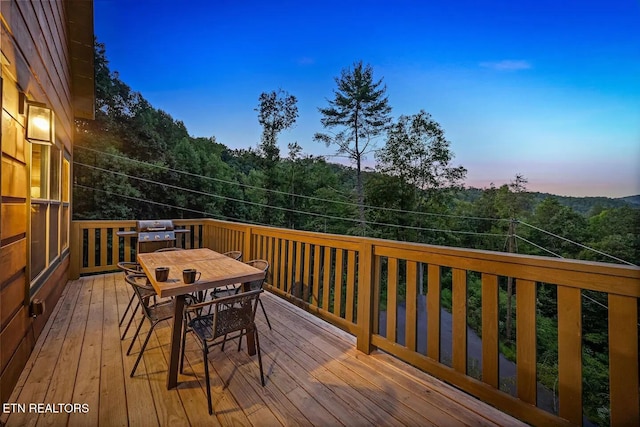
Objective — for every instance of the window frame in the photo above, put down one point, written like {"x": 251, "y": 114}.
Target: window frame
{"x": 47, "y": 245}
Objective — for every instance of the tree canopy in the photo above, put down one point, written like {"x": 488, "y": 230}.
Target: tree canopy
{"x": 361, "y": 112}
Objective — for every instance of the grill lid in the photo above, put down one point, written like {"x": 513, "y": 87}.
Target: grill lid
{"x": 154, "y": 225}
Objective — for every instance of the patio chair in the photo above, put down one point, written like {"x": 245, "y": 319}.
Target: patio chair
{"x": 229, "y": 289}
{"x": 155, "y": 313}
{"x": 263, "y": 265}
{"x": 131, "y": 268}
{"x": 228, "y": 318}
{"x": 260, "y": 264}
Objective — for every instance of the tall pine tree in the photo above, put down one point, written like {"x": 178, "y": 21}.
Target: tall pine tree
{"x": 361, "y": 112}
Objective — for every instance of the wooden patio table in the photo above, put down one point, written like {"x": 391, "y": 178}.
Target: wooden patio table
{"x": 216, "y": 270}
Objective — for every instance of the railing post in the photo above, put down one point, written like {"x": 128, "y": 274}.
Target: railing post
{"x": 207, "y": 241}
{"x": 75, "y": 251}
{"x": 366, "y": 289}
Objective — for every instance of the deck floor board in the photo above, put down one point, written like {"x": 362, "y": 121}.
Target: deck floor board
{"x": 314, "y": 375}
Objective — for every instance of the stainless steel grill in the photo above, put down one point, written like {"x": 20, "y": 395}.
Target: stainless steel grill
{"x": 154, "y": 234}
{"x": 155, "y": 231}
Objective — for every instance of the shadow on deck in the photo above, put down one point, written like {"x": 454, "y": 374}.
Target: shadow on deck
{"x": 314, "y": 375}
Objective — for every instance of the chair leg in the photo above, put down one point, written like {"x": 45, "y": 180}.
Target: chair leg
{"x": 259, "y": 356}
{"x": 126, "y": 310}
{"x": 265, "y": 313}
{"x": 135, "y": 336}
{"x": 224, "y": 341}
{"x": 144, "y": 345}
{"x": 205, "y": 354}
{"x": 130, "y": 320}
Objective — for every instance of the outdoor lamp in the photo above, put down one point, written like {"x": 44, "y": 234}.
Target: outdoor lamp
{"x": 39, "y": 123}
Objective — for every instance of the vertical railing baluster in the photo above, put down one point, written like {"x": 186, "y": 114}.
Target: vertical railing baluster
{"x": 298, "y": 284}
{"x": 411, "y": 322}
{"x": 392, "y": 298}
{"x": 326, "y": 286}
{"x": 490, "y": 310}
{"x": 337, "y": 298}
{"x": 526, "y": 340}
{"x": 459, "y": 321}
{"x": 433, "y": 312}
{"x": 569, "y": 352}
{"x": 316, "y": 275}
{"x": 307, "y": 272}
{"x": 623, "y": 360}
{"x": 283, "y": 266}
{"x": 103, "y": 248}
{"x": 351, "y": 286}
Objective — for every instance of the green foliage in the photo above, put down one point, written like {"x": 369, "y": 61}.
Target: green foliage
{"x": 417, "y": 152}
{"x": 361, "y": 112}
{"x": 277, "y": 111}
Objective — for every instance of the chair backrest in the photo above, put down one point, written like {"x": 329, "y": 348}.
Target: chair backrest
{"x": 130, "y": 267}
{"x": 260, "y": 264}
{"x": 235, "y": 312}
{"x": 142, "y": 289}
{"x": 171, "y": 249}
{"x": 237, "y": 255}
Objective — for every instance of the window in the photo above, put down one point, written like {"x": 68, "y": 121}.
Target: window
{"x": 49, "y": 206}
{"x": 39, "y": 171}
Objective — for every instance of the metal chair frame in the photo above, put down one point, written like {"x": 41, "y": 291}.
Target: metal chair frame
{"x": 129, "y": 268}
{"x": 227, "y": 318}
{"x": 260, "y": 264}
{"x": 155, "y": 313}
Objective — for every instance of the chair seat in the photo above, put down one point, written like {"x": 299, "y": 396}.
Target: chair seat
{"x": 230, "y": 320}
{"x": 161, "y": 311}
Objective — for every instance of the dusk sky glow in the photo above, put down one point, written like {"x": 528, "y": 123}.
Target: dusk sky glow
{"x": 547, "y": 89}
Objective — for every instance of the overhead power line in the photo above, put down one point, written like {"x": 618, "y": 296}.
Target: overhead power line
{"x": 285, "y": 209}
{"x": 538, "y": 246}
{"x": 341, "y": 203}
{"x": 320, "y": 199}
{"x": 139, "y": 199}
{"x": 576, "y": 243}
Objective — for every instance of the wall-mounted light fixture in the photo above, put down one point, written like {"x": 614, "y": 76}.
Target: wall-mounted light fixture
{"x": 39, "y": 126}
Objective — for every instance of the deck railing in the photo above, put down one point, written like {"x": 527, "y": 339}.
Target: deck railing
{"x": 389, "y": 295}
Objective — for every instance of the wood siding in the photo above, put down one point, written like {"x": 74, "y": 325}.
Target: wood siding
{"x": 35, "y": 62}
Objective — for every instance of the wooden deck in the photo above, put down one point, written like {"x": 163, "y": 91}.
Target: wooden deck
{"x": 314, "y": 375}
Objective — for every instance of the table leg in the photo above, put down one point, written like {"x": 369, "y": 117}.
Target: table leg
{"x": 176, "y": 340}
{"x": 251, "y": 339}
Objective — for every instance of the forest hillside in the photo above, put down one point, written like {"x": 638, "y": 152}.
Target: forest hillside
{"x": 148, "y": 166}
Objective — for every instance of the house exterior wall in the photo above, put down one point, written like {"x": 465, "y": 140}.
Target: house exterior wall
{"x": 36, "y": 66}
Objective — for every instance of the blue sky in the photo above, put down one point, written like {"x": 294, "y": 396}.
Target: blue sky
{"x": 547, "y": 89}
